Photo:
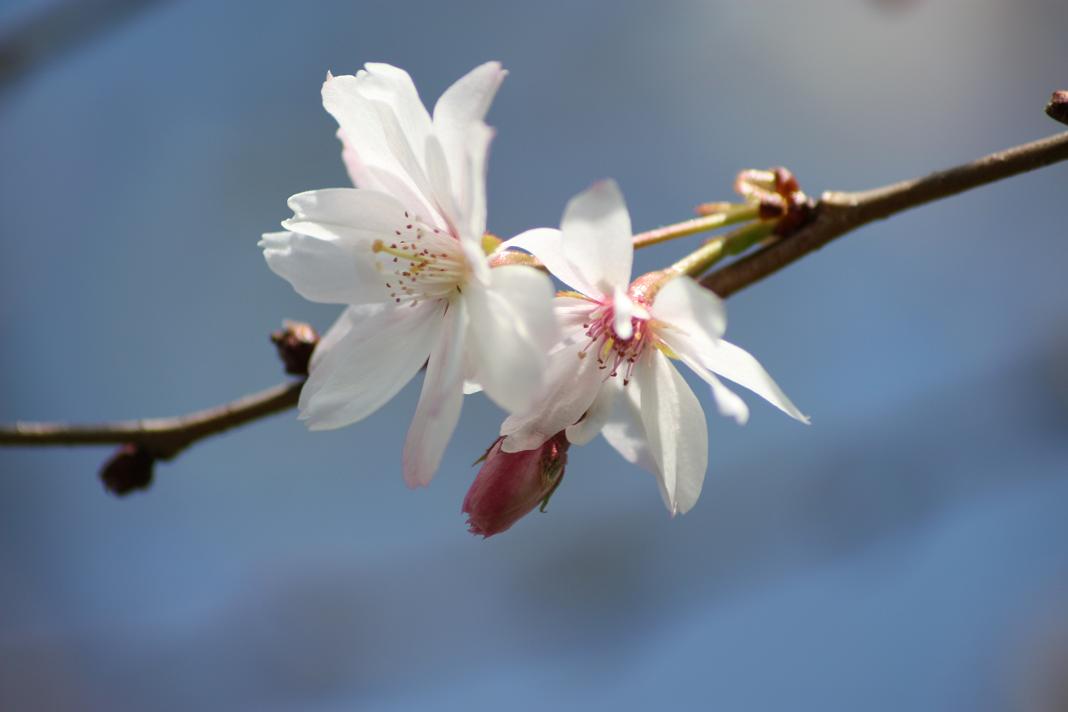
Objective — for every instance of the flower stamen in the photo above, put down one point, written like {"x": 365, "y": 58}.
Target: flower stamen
{"x": 416, "y": 268}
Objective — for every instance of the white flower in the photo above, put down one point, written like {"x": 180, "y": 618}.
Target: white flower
{"x": 403, "y": 251}
{"x": 612, "y": 372}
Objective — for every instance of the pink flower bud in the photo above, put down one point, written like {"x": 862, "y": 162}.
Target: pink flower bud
{"x": 511, "y": 484}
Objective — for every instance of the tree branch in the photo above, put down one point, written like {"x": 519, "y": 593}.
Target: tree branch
{"x": 162, "y": 438}
{"x": 835, "y": 214}
{"x": 839, "y": 213}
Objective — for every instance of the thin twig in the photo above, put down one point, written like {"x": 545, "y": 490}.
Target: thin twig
{"x": 729, "y": 215}
{"x": 836, "y": 214}
{"x": 163, "y": 438}
{"x": 839, "y": 213}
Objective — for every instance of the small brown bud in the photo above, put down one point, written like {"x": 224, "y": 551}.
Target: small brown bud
{"x": 1057, "y": 108}
{"x": 785, "y": 182}
{"x": 129, "y": 469}
{"x": 295, "y": 343}
{"x": 772, "y": 206}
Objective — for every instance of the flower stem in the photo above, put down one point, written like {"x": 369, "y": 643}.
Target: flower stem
{"x": 733, "y": 243}
{"x": 730, "y": 215}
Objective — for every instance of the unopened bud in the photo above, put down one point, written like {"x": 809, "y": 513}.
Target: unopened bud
{"x": 129, "y": 469}
{"x": 1057, "y": 108}
{"x": 779, "y": 197}
{"x": 512, "y": 484}
{"x": 295, "y": 343}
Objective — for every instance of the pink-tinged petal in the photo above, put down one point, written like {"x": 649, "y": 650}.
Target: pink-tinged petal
{"x": 572, "y": 384}
{"x": 690, "y": 308}
{"x": 597, "y": 237}
{"x": 459, "y": 124}
{"x": 366, "y": 357}
{"x": 511, "y": 329}
{"x": 359, "y": 173}
{"x": 547, "y": 245}
{"x": 596, "y": 415}
{"x": 728, "y": 402}
{"x": 439, "y": 403}
{"x": 328, "y": 271}
{"x": 675, "y": 425}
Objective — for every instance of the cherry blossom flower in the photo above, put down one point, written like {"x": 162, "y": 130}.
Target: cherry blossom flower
{"x": 612, "y": 372}
{"x": 403, "y": 251}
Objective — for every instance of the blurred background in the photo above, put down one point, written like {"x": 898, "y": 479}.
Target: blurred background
{"x": 906, "y": 551}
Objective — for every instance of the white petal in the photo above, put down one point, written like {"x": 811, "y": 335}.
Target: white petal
{"x": 380, "y": 126}
{"x": 596, "y": 415}
{"x": 572, "y": 313}
{"x": 468, "y": 100}
{"x": 728, "y": 402}
{"x": 511, "y": 329}
{"x": 597, "y": 237}
{"x": 440, "y": 401}
{"x": 359, "y": 121}
{"x": 477, "y": 263}
{"x": 328, "y": 257}
{"x": 624, "y": 430}
{"x": 443, "y": 193}
{"x": 695, "y": 319}
{"x": 571, "y": 386}
{"x": 459, "y": 124}
{"x": 675, "y": 425}
{"x": 471, "y": 193}
{"x": 622, "y": 312}
{"x": 410, "y": 153}
{"x": 376, "y": 350}
{"x": 690, "y": 308}
{"x": 350, "y": 216}
{"x": 547, "y": 245}
{"x": 738, "y": 365}
{"x": 393, "y": 87}
{"x": 329, "y": 271}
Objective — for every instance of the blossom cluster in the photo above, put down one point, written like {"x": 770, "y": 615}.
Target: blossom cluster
{"x": 404, "y": 252}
